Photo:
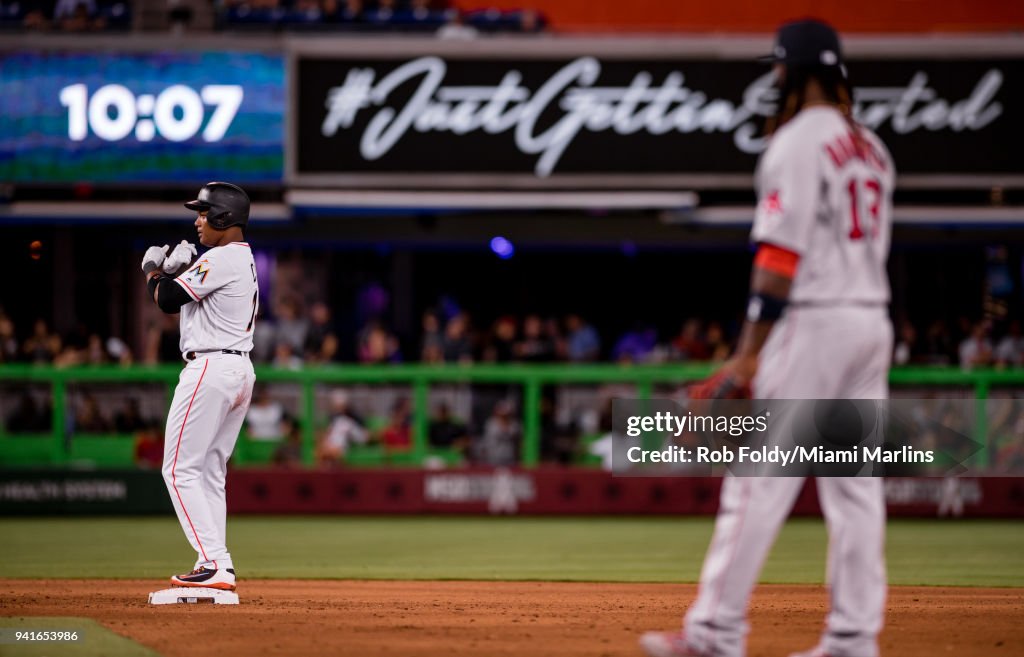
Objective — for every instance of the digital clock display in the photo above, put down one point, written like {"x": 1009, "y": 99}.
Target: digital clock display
{"x": 141, "y": 117}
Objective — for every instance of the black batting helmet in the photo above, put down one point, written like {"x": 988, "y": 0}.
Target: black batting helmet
{"x": 225, "y": 205}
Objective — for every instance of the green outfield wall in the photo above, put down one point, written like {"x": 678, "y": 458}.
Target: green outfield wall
{"x": 61, "y": 447}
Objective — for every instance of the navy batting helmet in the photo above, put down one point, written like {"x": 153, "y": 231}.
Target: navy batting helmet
{"x": 225, "y": 205}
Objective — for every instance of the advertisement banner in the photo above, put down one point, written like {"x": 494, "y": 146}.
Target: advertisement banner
{"x": 153, "y": 117}
{"x": 585, "y": 119}
{"x": 74, "y": 492}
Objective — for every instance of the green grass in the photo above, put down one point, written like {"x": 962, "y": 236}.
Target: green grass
{"x": 928, "y": 552}
{"x": 95, "y": 639}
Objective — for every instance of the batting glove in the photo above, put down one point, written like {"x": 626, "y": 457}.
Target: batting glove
{"x": 154, "y": 258}
{"x": 181, "y": 255}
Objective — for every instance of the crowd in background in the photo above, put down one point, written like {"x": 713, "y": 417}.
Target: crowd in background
{"x": 300, "y": 335}
{"x": 38, "y": 343}
{"x": 429, "y": 16}
{"x": 66, "y": 15}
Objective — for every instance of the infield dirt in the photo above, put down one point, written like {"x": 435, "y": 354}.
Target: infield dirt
{"x": 424, "y": 619}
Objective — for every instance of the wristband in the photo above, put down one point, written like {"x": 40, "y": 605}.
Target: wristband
{"x": 764, "y": 308}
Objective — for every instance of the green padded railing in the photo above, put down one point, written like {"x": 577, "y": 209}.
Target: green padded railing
{"x": 57, "y": 448}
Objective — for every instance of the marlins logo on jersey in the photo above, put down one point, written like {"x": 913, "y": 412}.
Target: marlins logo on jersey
{"x": 197, "y": 273}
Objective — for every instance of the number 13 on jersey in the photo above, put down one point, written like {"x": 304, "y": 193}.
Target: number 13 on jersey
{"x": 869, "y": 193}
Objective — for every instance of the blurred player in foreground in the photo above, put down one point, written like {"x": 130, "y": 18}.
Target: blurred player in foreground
{"x": 817, "y": 327}
{"x": 217, "y": 297}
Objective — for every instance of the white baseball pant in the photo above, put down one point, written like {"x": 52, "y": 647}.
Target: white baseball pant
{"x": 209, "y": 406}
{"x": 833, "y": 352}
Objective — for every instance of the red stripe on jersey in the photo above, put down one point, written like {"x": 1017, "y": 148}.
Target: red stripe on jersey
{"x": 777, "y": 260}
{"x": 188, "y": 289}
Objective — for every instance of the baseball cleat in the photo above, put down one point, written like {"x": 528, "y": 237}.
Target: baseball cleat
{"x": 668, "y": 644}
{"x": 222, "y": 578}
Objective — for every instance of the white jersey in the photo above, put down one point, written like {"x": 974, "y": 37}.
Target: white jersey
{"x": 225, "y": 299}
{"x": 830, "y": 201}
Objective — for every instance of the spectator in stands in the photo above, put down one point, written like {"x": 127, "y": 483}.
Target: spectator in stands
{"x": 559, "y": 441}
{"x": 291, "y": 328}
{"x": 907, "y": 348}
{"x": 305, "y": 11}
{"x": 397, "y": 435}
{"x": 530, "y": 21}
{"x": 718, "y": 345}
{"x": 343, "y": 430}
{"x": 536, "y": 346}
{"x": 498, "y": 446}
{"x": 118, "y": 351}
{"x": 179, "y": 15}
{"x": 1006, "y": 435}
{"x": 8, "y": 340}
{"x": 29, "y": 416}
{"x": 64, "y": 9}
{"x": 263, "y": 420}
{"x": 89, "y": 418}
{"x": 604, "y": 447}
{"x": 501, "y": 345}
{"x": 42, "y": 346}
{"x": 635, "y": 346}
{"x": 95, "y": 352}
{"x": 976, "y": 349}
{"x": 149, "y": 446}
{"x": 419, "y": 15}
{"x": 289, "y": 453}
{"x": 381, "y": 16}
{"x": 690, "y": 343}
{"x": 431, "y": 342}
{"x": 286, "y": 358}
{"x": 130, "y": 419}
{"x": 582, "y": 341}
{"x": 458, "y": 347}
{"x": 350, "y": 12}
{"x": 163, "y": 341}
{"x": 1010, "y": 350}
{"x": 77, "y": 16}
{"x": 264, "y": 340}
{"x": 553, "y": 333}
{"x": 377, "y": 345}
{"x": 446, "y": 431}
{"x": 321, "y": 339}
{"x": 37, "y": 17}
{"x": 938, "y": 346}
{"x": 456, "y": 29}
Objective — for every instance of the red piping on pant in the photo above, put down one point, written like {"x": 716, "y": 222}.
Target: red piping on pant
{"x": 177, "y": 447}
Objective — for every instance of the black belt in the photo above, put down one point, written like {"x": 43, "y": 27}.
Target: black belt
{"x": 192, "y": 355}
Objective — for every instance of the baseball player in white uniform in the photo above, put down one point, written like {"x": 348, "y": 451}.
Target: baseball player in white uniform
{"x": 218, "y": 297}
{"x": 817, "y": 327}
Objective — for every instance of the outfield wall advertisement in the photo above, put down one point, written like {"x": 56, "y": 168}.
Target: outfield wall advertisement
{"x": 538, "y": 491}
{"x": 432, "y": 119}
